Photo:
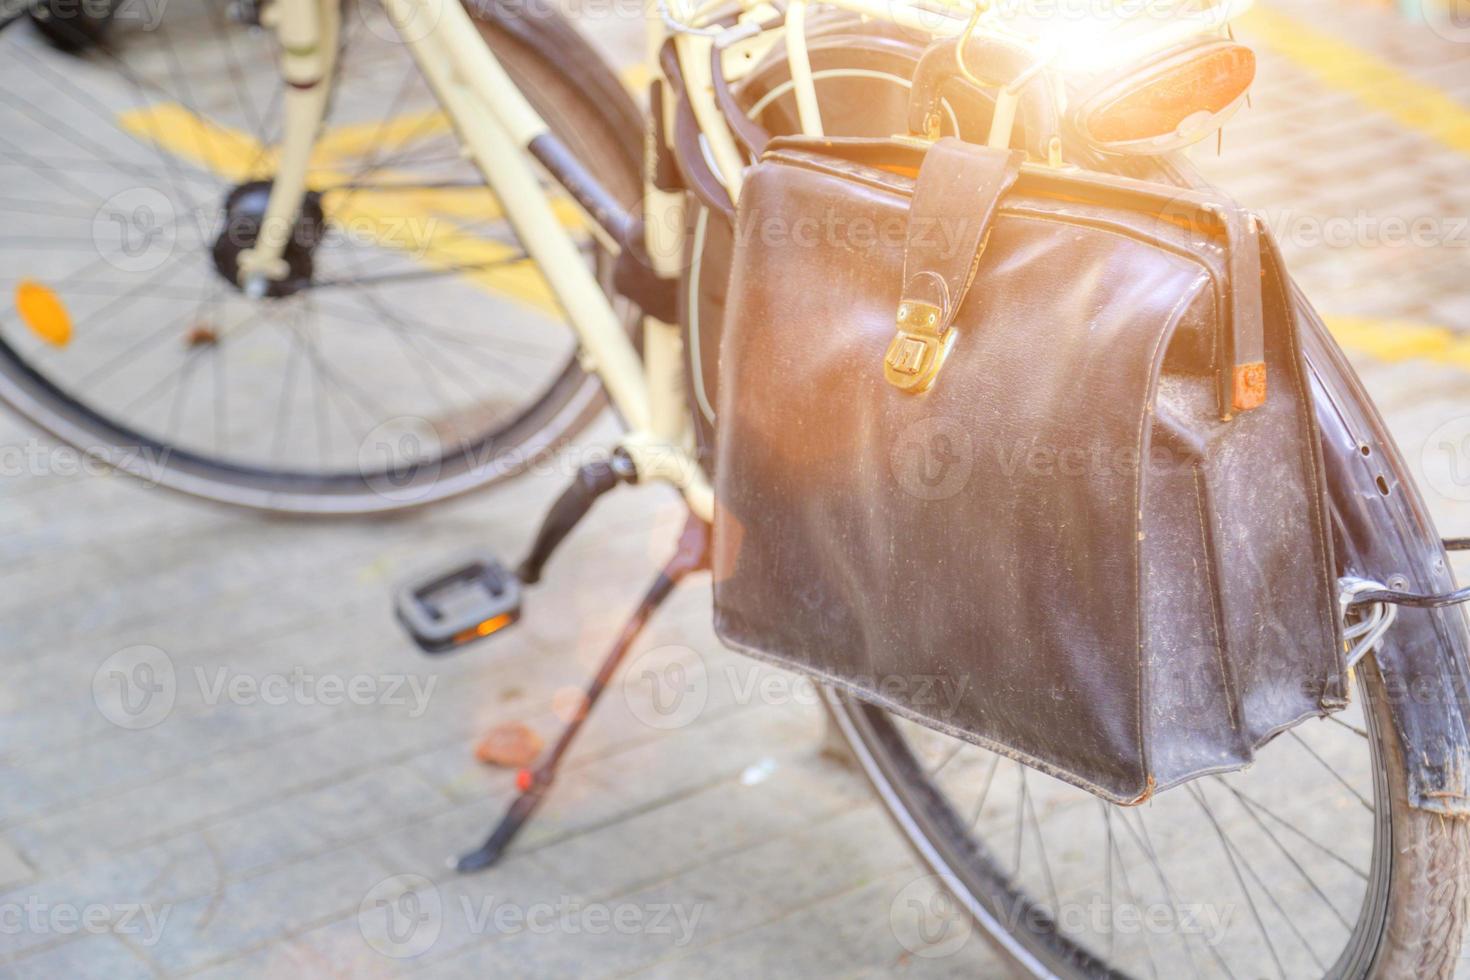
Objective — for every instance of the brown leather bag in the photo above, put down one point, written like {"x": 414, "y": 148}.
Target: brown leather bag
{"x": 1026, "y": 455}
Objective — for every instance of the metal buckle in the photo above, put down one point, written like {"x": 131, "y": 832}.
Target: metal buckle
{"x": 919, "y": 348}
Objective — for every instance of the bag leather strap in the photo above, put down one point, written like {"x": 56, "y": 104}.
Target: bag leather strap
{"x": 955, "y": 200}
{"x": 1247, "y": 354}
{"x": 751, "y": 136}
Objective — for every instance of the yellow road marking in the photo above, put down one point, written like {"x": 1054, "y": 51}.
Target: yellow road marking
{"x": 427, "y": 222}
{"x": 231, "y": 154}
{"x": 1371, "y": 80}
{"x": 357, "y": 140}
{"x": 1423, "y": 108}
{"x": 1400, "y": 340}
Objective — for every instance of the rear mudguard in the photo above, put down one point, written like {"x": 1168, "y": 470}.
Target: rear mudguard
{"x": 1382, "y": 531}
{"x": 538, "y": 25}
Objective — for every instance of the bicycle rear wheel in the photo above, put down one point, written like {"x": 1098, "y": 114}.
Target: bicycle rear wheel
{"x": 417, "y": 354}
{"x": 1312, "y": 862}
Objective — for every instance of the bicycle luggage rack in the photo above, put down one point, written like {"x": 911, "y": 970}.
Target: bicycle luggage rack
{"x": 1382, "y": 604}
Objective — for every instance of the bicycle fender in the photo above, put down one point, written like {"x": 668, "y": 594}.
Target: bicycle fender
{"x": 539, "y": 26}
{"x": 1382, "y": 531}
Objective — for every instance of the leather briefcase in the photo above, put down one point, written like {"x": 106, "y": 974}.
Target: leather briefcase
{"x": 1026, "y": 455}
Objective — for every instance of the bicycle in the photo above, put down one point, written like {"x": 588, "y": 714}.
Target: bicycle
{"x": 1361, "y": 815}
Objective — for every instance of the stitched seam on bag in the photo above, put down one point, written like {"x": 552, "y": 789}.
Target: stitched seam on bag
{"x": 1250, "y": 753}
{"x": 1310, "y": 458}
{"x": 869, "y": 178}
{"x": 1215, "y": 617}
{"x": 1171, "y": 322}
{"x": 975, "y": 263}
{"x": 1237, "y": 717}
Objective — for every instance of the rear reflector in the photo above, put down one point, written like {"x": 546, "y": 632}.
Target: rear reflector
{"x": 1177, "y": 99}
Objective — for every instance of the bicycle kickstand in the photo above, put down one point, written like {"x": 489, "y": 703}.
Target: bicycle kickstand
{"x": 692, "y": 555}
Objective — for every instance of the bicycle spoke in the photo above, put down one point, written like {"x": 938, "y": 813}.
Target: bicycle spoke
{"x": 322, "y": 414}
{"x": 40, "y": 169}
{"x": 1352, "y": 728}
{"x": 346, "y": 390}
{"x": 283, "y": 401}
{"x": 169, "y": 161}
{"x": 954, "y": 750}
{"x": 248, "y": 109}
{"x": 1153, "y": 967}
{"x": 1198, "y": 796}
{"x": 149, "y": 395}
{"x": 1271, "y": 897}
{"x": 1030, "y": 810}
{"x": 483, "y": 345}
{"x": 1303, "y": 835}
{"x": 120, "y": 303}
{"x": 1286, "y": 853}
{"x": 176, "y": 409}
{"x": 419, "y": 275}
{"x": 1367, "y": 805}
{"x": 985, "y": 791}
{"x": 1020, "y": 824}
{"x": 1145, "y": 843}
{"x": 1109, "y": 845}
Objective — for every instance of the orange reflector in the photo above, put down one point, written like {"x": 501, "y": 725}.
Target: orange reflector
{"x": 43, "y": 311}
{"x": 493, "y": 625}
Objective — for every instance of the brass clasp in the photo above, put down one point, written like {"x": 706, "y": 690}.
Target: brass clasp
{"x": 919, "y": 349}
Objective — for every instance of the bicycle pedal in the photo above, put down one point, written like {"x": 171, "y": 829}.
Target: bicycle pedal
{"x": 446, "y": 610}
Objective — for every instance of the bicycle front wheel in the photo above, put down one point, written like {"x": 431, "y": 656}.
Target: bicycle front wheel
{"x": 416, "y": 352}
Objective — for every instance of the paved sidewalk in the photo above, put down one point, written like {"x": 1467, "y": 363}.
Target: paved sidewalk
{"x": 255, "y": 833}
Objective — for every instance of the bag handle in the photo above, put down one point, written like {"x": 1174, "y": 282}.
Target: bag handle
{"x": 956, "y": 196}
{"x": 1211, "y": 216}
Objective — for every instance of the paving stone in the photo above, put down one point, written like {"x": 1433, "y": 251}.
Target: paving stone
{"x": 84, "y": 957}
{"x": 849, "y": 934}
{"x": 13, "y": 869}
{"x": 214, "y": 928}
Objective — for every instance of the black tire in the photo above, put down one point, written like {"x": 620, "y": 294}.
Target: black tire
{"x": 1428, "y": 896}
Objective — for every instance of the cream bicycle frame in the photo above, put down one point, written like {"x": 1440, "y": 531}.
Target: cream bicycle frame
{"x": 498, "y": 126}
